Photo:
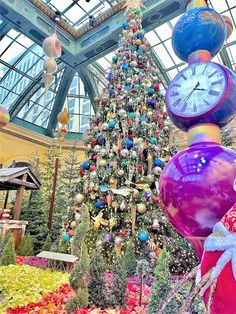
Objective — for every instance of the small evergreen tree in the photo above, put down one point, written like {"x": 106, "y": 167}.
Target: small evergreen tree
{"x": 130, "y": 260}
{"x": 162, "y": 285}
{"x": 78, "y": 282}
{"x": 226, "y": 138}
{"x": 78, "y": 276}
{"x": 47, "y": 244}
{"x": 37, "y": 219}
{"x": 9, "y": 255}
{"x": 26, "y": 247}
{"x": 118, "y": 285}
{"x": 97, "y": 293}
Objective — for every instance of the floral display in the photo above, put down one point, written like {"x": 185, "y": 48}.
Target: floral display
{"x": 53, "y": 301}
{"x": 32, "y": 261}
{"x": 22, "y": 285}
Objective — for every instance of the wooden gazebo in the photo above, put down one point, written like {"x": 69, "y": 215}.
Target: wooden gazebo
{"x": 19, "y": 179}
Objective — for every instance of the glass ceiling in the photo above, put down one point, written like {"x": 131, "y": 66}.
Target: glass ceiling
{"x": 77, "y": 12}
{"x": 21, "y": 65}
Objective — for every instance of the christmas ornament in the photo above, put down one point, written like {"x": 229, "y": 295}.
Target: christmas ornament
{"x": 66, "y": 237}
{"x": 107, "y": 238}
{"x": 86, "y": 165}
{"x": 98, "y": 221}
{"x": 79, "y": 198}
{"x": 141, "y": 208}
{"x": 143, "y": 236}
{"x": 73, "y": 224}
{"x": 155, "y": 224}
{"x": 4, "y": 117}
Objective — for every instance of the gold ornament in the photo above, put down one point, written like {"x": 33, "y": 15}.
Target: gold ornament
{"x": 73, "y": 224}
{"x": 98, "y": 221}
{"x": 112, "y": 222}
{"x": 79, "y": 198}
{"x": 141, "y": 208}
{"x": 102, "y": 163}
{"x": 113, "y": 182}
{"x": 63, "y": 117}
{"x": 150, "y": 162}
{"x": 135, "y": 193}
{"x": 121, "y": 172}
{"x": 151, "y": 245}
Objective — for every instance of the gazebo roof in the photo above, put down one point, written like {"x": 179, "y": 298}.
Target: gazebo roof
{"x": 12, "y": 178}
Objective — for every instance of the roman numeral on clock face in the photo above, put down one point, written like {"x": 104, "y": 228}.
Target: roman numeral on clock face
{"x": 174, "y": 94}
{"x": 214, "y": 93}
{"x": 176, "y": 102}
{"x": 217, "y": 82}
{"x": 212, "y": 74}
{"x": 183, "y": 76}
{"x": 193, "y": 70}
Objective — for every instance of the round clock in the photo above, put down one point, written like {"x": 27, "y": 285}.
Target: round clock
{"x": 203, "y": 92}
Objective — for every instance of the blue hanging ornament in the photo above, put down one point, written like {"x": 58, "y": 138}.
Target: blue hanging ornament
{"x": 114, "y": 59}
{"x": 150, "y": 91}
{"x": 125, "y": 67}
{"x": 143, "y": 236}
{"x": 153, "y": 140}
{"x": 66, "y": 237}
{"x": 86, "y": 165}
{"x": 157, "y": 163}
{"x": 131, "y": 115}
{"x": 112, "y": 124}
{"x": 140, "y": 51}
{"x": 112, "y": 92}
{"x": 125, "y": 25}
{"x": 129, "y": 143}
{"x": 143, "y": 118}
{"x": 99, "y": 204}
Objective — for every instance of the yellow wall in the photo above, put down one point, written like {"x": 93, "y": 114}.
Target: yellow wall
{"x": 19, "y": 144}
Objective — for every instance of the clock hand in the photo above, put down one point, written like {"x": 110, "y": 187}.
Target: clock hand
{"x": 189, "y": 95}
{"x": 200, "y": 88}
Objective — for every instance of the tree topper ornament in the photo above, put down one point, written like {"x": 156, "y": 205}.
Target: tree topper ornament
{"x": 133, "y": 5}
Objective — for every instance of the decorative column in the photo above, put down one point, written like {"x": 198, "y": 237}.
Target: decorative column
{"x": 198, "y": 186}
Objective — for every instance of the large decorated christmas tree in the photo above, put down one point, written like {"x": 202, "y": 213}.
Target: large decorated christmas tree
{"x": 127, "y": 147}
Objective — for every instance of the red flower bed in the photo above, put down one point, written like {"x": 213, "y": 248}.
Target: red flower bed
{"x": 53, "y": 302}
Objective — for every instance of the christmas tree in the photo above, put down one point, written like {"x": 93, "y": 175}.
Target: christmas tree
{"x": 127, "y": 147}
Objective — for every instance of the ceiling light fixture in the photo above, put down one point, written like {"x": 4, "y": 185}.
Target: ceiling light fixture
{"x": 57, "y": 16}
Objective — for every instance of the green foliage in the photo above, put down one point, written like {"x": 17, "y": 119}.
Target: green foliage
{"x": 48, "y": 243}
{"x": 226, "y": 138}
{"x": 81, "y": 232}
{"x": 118, "y": 285}
{"x": 78, "y": 276}
{"x": 26, "y": 247}
{"x": 37, "y": 220}
{"x": 162, "y": 285}
{"x": 130, "y": 262}
{"x": 9, "y": 255}
{"x": 97, "y": 294}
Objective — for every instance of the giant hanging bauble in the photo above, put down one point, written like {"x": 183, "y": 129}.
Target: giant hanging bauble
{"x": 52, "y": 46}
{"x": 197, "y": 187}
{"x": 198, "y": 29}
{"x": 50, "y": 65}
{"x": 4, "y": 117}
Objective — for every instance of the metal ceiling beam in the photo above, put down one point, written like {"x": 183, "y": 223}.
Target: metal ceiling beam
{"x": 26, "y": 18}
{"x": 30, "y": 90}
{"x": 89, "y": 87}
{"x": 60, "y": 98}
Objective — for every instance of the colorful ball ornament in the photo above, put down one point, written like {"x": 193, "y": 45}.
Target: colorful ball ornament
{"x": 229, "y": 25}
{"x": 114, "y": 59}
{"x": 112, "y": 124}
{"x": 103, "y": 163}
{"x": 73, "y": 224}
{"x": 141, "y": 208}
{"x": 107, "y": 238}
{"x": 99, "y": 204}
{"x": 143, "y": 236}
{"x": 195, "y": 22}
{"x": 86, "y": 165}
{"x": 4, "y": 117}
{"x": 66, "y": 237}
{"x": 157, "y": 163}
{"x": 129, "y": 143}
{"x": 125, "y": 67}
{"x": 79, "y": 198}
{"x": 71, "y": 233}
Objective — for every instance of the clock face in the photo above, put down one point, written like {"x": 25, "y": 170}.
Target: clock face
{"x": 196, "y": 89}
